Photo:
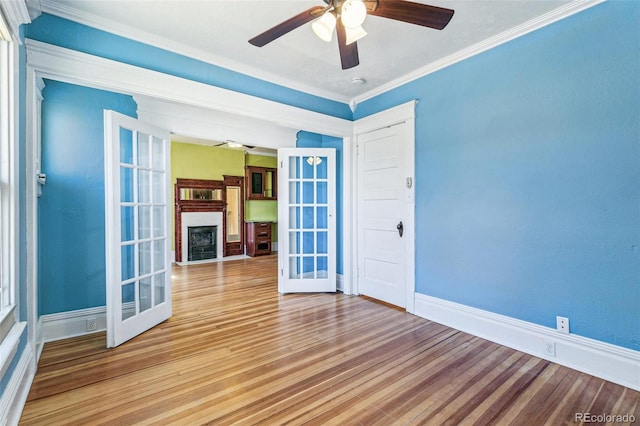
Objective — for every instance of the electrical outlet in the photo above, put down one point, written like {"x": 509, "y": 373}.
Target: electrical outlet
{"x": 92, "y": 324}
{"x": 550, "y": 348}
{"x": 562, "y": 325}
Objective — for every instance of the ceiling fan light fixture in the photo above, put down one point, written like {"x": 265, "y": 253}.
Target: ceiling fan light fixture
{"x": 324, "y": 26}
{"x": 354, "y": 34}
{"x": 353, "y": 13}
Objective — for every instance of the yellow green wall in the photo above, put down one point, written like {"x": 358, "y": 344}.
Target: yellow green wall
{"x": 261, "y": 210}
{"x": 193, "y": 161}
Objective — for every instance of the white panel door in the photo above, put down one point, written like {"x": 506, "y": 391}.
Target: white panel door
{"x": 385, "y": 219}
{"x": 306, "y": 220}
{"x": 138, "y": 237}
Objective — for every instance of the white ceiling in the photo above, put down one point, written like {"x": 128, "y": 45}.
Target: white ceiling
{"x": 394, "y": 52}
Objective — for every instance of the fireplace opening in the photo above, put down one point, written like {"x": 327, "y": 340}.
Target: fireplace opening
{"x": 202, "y": 242}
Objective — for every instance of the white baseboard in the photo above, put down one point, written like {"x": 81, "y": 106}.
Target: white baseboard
{"x": 609, "y": 362}
{"x": 15, "y": 394}
{"x": 72, "y": 323}
{"x": 340, "y": 282}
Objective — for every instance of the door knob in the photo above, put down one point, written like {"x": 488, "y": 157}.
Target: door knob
{"x": 400, "y": 229}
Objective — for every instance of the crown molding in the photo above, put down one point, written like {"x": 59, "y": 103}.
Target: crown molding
{"x": 541, "y": 21}
{"x": 64, "y": 11}
{"x": 15, "y": 13}
{"x": 62, "y": 64}
{"x": 54, "y": 8}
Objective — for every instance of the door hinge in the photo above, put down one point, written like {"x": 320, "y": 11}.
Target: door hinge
{"x": 281, "y": 271}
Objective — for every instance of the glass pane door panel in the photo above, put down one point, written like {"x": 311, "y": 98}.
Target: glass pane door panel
{"x": 294, "y": 242}
{"x": 128, "y": 295}
{"x": 322, "y": 216}
{"x": 144, "y": 222}
{"x": 322, "y": 243}
{"x": 126, "y": 184}
{"x": 127, "y": 262}
{"x": 308, "y": 268}
{"x": 158, "y": 255}
{"x": 321, "y": 192}
{"x": 144, "y": 186}
{"x": 294, "y": 167}
{"x": 308, "y": 221}
{"x": 323, "y": 267}
{"x": 294, "y": 192}
{"x": 159, "y": 287}
{"x": 144, "y": 152}
{"x": 144, "y": 255}
{"x": 308, "y": 168}
{"x": 145, "y": 294}
{"x": 321, "y": 167}
{"x": 158, "y": 222}
{"x": 127, "y": 223}
{"x": 126, "y": 146}
{"x": 308, "y": 193}
{"x": 294, "y": 217}
{"x": 294, "y": 268}
{"x": 158, "y": 188}
{"x": 157, "y": 153}
{"x": 308, "y": 245}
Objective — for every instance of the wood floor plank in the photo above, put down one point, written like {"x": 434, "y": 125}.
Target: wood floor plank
{"x": 237, "y": 352}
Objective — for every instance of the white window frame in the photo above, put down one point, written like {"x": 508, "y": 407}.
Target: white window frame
{"x": 8, "y": 184}
{"x": 12, "y": 14}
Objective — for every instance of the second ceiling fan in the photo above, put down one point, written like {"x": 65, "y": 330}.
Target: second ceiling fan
{"x": 347, "y": 16}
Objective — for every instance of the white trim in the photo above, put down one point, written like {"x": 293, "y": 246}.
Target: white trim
{"x": 74, "y": 67}
{"x": 609, "y": 362}
{"x": 33, "y": 188}
{"x": 548, "y": 18}
{"x": 189, "y": 121}
{"x": 15, "y": 13}
{"x": 14, "y": 397}
{"x": 72, "y": 323}
{"x": 347, "y": 287}
{"x": 340, "y": 283}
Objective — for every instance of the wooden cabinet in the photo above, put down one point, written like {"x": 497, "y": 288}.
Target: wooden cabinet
{"x": 261, "y": 183}
{"x": 258, "y": 238}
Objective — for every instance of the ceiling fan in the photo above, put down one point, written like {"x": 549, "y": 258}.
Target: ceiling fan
{"x": 347, "y": 16}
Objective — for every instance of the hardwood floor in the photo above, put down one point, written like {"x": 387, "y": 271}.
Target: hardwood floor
{"x": 237, "y": 352}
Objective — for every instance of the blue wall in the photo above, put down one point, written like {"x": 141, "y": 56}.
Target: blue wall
{"x": 528, "y": 176}
{"x": 314, "y": 140}
{"x": 64, "y": 33}
{"x": 527, "y": 200}
{"x": 71, "y": 208}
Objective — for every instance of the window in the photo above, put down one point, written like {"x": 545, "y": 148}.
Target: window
{"x": 8, "y": 181}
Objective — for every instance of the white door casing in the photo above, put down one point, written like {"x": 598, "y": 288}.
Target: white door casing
{"x": 306, "y": 220}
{"x": 137, "y": 228}
{"x": 385, "y": 198}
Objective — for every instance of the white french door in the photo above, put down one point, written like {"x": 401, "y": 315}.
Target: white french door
{"x": 306, "y": 220}
{"x": 137, "y": 209}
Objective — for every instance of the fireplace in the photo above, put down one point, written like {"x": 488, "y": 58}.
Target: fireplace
{"x": 203, "y": 242}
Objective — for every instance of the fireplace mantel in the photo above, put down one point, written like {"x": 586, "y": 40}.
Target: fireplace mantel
{"x": 195, "y": 196}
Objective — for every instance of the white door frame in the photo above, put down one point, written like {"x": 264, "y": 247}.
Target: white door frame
{"x": 57, "y": 63}
{"x": 404, "y": 113}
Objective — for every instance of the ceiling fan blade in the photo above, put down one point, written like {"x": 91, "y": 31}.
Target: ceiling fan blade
{"x": 348, "y": 52}
{"x": 288, "y": 25}
{"x": 413, "y": 13}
